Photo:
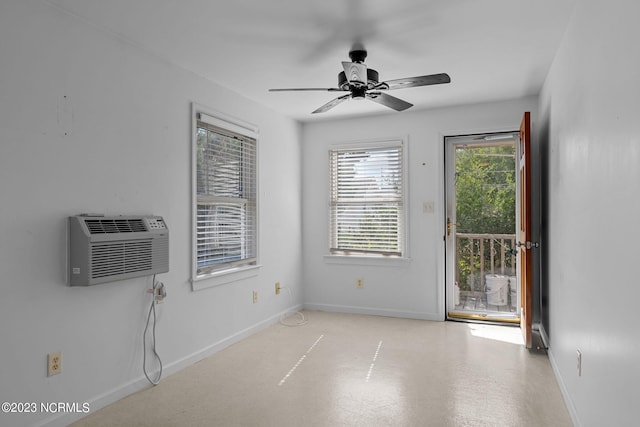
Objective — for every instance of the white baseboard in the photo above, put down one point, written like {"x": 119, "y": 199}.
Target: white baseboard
{"x": 543, "y": 335}
{"x": 113, "y": 395}
{"x": 375, "y": 311}
{"x": 563, "y": 389}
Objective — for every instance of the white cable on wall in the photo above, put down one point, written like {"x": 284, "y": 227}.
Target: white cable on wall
{"x": 302, "y": 320}
{"x": 157, "y": 291}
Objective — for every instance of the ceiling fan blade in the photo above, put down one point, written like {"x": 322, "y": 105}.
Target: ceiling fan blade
{"x": 329, "y": 105}
{"x": 299, "y": 89}
{"x": 388, "y": 101}
{"x": 356, "y": 73}
{"x": 432, "y": 79}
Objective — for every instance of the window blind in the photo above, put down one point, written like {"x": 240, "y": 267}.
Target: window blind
{"x": 366, "y": 200}
{"x": 226, "y": 218}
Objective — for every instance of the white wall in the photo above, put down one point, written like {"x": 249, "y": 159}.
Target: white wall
{"x": 590, "y": 146}
{"x": 414, "y": 289}
{"x": 126, "y": 150}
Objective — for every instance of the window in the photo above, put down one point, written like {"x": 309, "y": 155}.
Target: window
{"x": 225, "y": 197}
{"x": 366, "y": 207}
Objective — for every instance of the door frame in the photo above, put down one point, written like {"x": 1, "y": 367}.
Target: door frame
{"x": 449, "y": 212}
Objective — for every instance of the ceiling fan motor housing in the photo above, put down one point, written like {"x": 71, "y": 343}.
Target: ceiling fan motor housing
{"x": 372, "y": 79}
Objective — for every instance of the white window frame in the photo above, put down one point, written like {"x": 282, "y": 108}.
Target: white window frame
{"x": 231, "y": 272}
{"x": 371, "y": 258}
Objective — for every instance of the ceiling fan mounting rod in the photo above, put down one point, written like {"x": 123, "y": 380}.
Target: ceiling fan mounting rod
{"x": 358, "y": 55}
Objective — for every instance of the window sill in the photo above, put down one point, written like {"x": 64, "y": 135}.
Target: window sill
{"x": 224, "y": 277}
{"x": 367, "y": 260}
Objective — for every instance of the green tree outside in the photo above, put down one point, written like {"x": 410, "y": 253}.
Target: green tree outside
{"x": 485, "y": 185}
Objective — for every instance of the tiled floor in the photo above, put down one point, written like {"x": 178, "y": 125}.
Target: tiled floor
{"x": 355, "y": 370}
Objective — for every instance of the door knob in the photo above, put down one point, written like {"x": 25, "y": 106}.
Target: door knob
{"x": 528, "y": 244}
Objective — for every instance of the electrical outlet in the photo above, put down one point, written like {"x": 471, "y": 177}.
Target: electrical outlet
{"x": 360, "y": 283}
{"x": 277, "y": 288}
{"x": 579, "y": 365}
{"x": 160, "y": 293}
{"x": 54, "y": 363}
{"x": 255, "y": 297}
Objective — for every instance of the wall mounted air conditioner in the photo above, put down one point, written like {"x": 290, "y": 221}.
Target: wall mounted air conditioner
{"x": 110, "y": 248}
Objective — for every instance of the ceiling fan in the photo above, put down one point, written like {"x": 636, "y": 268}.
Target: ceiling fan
{"x": 362, "y": 83}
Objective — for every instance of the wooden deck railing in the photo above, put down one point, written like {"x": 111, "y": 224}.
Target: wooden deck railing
{"x": 481, "y": 254}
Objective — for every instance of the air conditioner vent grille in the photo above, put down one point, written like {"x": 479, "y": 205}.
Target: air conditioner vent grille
{"x": 114, "y": 258}
{"x": 106, "y": 226}
{"x": 108, "y": 249}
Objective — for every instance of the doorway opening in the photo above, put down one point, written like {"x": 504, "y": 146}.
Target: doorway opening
{"x": 480, "y": 235}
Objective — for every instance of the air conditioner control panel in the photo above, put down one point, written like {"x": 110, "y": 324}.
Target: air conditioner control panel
{"x": 156, "y": 224}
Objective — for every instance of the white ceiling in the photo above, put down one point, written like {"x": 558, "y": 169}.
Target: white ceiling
{"x": 492, "y": 49}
